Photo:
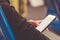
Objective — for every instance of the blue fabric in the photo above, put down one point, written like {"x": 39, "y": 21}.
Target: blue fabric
{"x": 2, "y": 37}
{"x": 55, "y": 25}
{"x": 5, "y": 26}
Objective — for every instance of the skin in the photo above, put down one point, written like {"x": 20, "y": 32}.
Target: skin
{"x": 35, "y": 23}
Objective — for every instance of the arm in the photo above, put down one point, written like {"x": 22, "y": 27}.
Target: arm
{"x": 21, "y": 28}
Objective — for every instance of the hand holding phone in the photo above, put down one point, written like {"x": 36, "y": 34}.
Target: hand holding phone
{"x": 45, "y": 22}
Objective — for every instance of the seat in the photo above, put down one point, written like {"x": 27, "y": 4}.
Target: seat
{"x": 5, "y": 30}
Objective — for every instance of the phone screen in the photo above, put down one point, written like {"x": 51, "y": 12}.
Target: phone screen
{"x": 43, "y": 25}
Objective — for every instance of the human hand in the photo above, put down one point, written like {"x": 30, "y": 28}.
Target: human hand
{"x": 35, "y": 22}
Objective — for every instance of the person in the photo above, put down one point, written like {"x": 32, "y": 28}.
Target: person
{"x": 22, "y": 29}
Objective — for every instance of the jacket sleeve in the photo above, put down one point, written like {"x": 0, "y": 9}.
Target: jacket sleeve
{"x": 21, "y": 28}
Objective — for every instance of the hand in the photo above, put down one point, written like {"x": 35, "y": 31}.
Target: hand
{"x": 35, "y": 22}
{"x": 47, "y": 29}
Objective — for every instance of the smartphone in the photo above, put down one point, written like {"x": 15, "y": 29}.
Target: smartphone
{"x": 43, "y": 25}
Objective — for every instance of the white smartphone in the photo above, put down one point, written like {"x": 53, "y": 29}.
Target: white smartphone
{"x": 43, "y": 25}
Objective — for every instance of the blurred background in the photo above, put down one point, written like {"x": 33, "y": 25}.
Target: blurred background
{"x": 29, "y": 8}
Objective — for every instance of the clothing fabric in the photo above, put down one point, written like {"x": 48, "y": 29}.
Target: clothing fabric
{"x": 53, "y": 8}
{"x": 54, "y": 5}
{"x": 22, "y": 30}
